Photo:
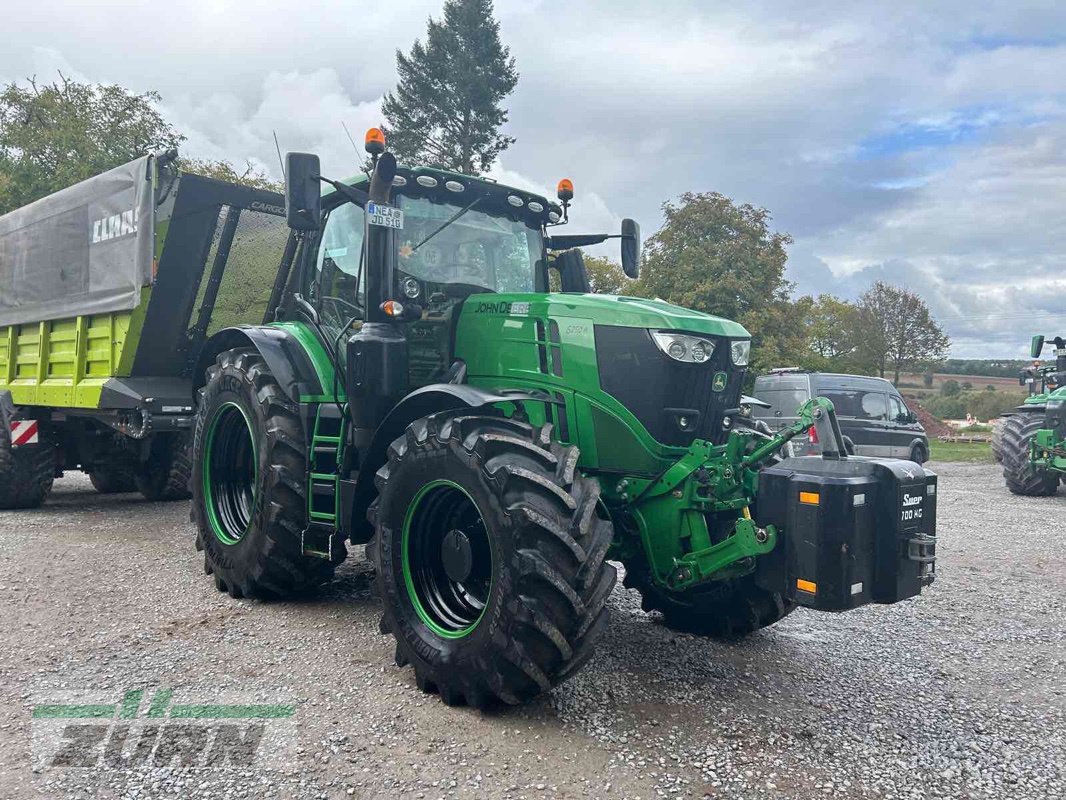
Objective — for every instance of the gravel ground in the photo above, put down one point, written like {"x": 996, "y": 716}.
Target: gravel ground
{"x": 961, "y": 693}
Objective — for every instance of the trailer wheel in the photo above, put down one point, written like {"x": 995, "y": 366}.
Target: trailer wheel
{"x": 490, "y": 558}
{"x": 249, "y": 485}
{"x": 165, "y": 476}
{"x": 26, "y": 473}
{"x": 1022, "y": 477}
{"x": 722, "y": 609}
{"x": 113, "y": 479}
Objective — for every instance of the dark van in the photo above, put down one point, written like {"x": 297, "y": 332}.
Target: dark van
{"x": 872, "y": 413}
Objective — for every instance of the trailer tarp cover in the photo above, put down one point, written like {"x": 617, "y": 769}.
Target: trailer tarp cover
{"x": 84, "y": 250}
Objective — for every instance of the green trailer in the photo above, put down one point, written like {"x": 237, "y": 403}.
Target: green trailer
{"x": 108, "y": 291}
{"x": 1032, "y": 444}
{"x": 416, "y": 387}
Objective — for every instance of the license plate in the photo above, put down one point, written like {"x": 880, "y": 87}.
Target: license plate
{"x": 385, "y": 216}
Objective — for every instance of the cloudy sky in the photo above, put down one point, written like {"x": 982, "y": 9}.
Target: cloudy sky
{"x": 923, "y": 143}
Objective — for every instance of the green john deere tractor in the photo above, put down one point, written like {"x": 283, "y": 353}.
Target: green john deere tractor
{"x": 1033, "y": 440}
{"x": 497, "y": 445}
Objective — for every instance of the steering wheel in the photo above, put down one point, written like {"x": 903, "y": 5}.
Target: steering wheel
{"x": 353, "y": 310}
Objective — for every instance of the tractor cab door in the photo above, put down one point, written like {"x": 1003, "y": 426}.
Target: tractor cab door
{"x": 336, "y": 285}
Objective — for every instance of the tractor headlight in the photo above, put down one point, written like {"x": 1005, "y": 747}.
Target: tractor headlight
{"x": 682, "y": 347}
{"x": 740, "y": 351}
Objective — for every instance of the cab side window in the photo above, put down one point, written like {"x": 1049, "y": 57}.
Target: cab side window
{"x": 338, "y": 287}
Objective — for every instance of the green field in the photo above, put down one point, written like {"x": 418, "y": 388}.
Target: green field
{"x": 978, "y": 453}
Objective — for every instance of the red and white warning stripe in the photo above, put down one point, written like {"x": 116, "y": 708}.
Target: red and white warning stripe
{"x": 23, "y": 432}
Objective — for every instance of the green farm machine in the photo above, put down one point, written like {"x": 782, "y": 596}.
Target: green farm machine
{"x": 409, "y": 382}
{"x": 1032, "y": 440}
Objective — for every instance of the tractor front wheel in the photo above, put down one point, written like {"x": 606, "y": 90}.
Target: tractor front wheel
{"x": 1023, "y": 477}
{"x": 249, "y": 486}
{"x": 490, "y": 558}
{"x": 997, "y": 438}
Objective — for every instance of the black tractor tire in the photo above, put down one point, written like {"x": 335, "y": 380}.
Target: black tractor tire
{"x": 113, "y": 479}
{"x": 727, "y": 609}
{"x": 997, "y": 438}
{"x": 1022, "y": 477}
{"x": 26, "y": 473}
{"x": 528, "y": 605}
{"x": 249, "y": 483}
{"x": 165, "y": 475}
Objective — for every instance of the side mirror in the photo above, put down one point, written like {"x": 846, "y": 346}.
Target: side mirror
{"x": 630, "y": 248}
{"x": 1036, "y": 347}
{"x": 303, "y": 194}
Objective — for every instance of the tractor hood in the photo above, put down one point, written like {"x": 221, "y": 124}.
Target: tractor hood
{"x": 605, "y": 309}
{"x": 599, "y": 351}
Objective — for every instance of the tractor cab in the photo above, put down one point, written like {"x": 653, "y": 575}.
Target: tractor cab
{"x": 447, "y": 236}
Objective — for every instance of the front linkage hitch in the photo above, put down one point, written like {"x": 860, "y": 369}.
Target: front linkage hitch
{"x": 717, "y": 480}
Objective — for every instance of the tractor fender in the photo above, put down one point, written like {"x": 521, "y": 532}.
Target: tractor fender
{"x": 282, "y": 352}
{"x": 420, "y": 403}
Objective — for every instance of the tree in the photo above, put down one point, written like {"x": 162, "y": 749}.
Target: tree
{"x": 722, "y": 258}
{"x": 832, "y": 326}
{"x": 446, "y": 109}
{"x": 896, "y": 330}
{"x": 606, "y": 276}
{"x": 251, "y": 175}
{"x": 56, "y": 135}
{"x": 950, "y": 388}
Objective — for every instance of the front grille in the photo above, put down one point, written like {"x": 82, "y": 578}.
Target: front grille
{"x": 659, "y": 390}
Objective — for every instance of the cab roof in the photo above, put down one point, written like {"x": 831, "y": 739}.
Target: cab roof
{"x": 457, "y": 186}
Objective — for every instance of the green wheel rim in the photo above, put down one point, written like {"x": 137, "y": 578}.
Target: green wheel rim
{"x": 450, "y": 604}
{"x": 230, "y": 470}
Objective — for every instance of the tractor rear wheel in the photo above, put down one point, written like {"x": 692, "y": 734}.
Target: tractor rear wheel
{"x": 165, "y": 476}
{"x": 490, "y": 558}
{"x": 27, "y": 472}
{"x": 249, "y": 485}
{"x": 728, "y": 609}
{"x": 1022, "y": 476}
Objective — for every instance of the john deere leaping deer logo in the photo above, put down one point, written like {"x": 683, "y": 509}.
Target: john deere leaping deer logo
{"x": 137, "y": 730}
{"x": 719, "y": 382}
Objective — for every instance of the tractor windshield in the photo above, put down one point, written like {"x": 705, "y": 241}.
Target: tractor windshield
{"x": 444, "y": 244}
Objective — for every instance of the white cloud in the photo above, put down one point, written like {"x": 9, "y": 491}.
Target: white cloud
{"x": 306, "y": 110}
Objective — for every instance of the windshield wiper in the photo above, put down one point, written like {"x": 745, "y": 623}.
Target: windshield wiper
{"x": 453, "y": 218}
